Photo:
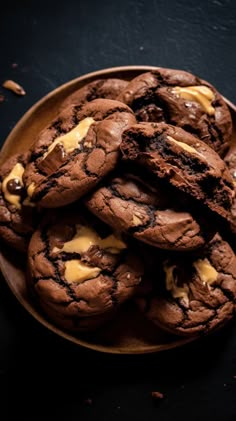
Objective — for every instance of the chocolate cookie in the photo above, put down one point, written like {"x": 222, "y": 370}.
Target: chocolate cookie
{"x": 230, "y": 160}
{"x": 17, "y": 214}
{"x": 150, "y": 214}
{"x": 182, "y": 99}
{"x": 100, "y": 88}
{"x": 80, "y": 274}
{"x": 197, "y": 294}
{"x": 187, "y": 163}
{"x": 76, "y": 151}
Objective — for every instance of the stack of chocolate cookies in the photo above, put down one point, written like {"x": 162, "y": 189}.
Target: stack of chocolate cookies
{"x": 129, "y": 194}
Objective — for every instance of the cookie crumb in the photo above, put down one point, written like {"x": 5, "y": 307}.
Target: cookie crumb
{"x": 234, "y": 377}
{"x": 157, "y": 395}
{"x": 88, "y": 401}
{"x": 14, "y": 65}
{"x": 2, "y": 98}
{"x": 14, "y": 87}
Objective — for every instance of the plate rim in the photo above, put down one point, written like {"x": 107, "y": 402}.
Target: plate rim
{"x": 181, "y": 341}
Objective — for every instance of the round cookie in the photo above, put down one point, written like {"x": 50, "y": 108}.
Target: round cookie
{"x": 76, "y": 151}
{"x": 230, "y": 160}
{"x": 17, "y": 214}
{"x": 182, "y": 99}
{"x": 79, "y": 271}
{"x": 186, "y": 162}
{"x": 194, "y": 295}
{"x": 150, "y": 214}
{"x": 99, "y": 88}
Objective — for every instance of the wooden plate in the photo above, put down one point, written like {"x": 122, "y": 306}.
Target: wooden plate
{"x": 129, "y": 333}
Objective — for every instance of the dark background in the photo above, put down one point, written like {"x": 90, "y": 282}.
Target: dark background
{"x": 42, "y": 377}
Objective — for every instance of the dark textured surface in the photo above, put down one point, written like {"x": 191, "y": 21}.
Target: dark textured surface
{"x": 53, "y": 42}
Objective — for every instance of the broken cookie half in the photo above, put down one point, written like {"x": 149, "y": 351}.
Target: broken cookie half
{"x": 194, "y": 294}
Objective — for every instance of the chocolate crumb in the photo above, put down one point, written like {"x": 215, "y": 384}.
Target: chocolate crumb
{"x": 2, "y": 98}
{"x": 14, "y": 87}
{"x": 234, "y": 377}
{"x": 14, "y": 65}
{"x": 157, "y": 395}
{"x": 88, "y": 401}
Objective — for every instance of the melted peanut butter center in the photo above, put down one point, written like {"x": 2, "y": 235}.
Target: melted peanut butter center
{"x": 76, "y": 271}
{"x": 201, "y": 94}
{"x": 31, "y": 189}
{"x": 205, "y": 271}
{"x": 136, "y": 220}
{"x": 71, "y": 140}
{"x": 185, "y": 146}
{"x": 171, "y": 286}
{"x": 84, "y": 238}
{"x": 15, "y": 174}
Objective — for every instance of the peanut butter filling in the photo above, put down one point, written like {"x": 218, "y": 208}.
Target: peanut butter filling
{"x": 15, "y": 174}
{"x": 71, "y": 140}
{"x": 171, "y": 286}
{"x": 201, "y": 94}
{"x": 136, "y": 220}
{"x": 31, "y": 189}
{"x": 85, "y": 237}
{"x": 185, "y": 146}
{"x": 205, "y": 271}
{"x": 76, "y": 271}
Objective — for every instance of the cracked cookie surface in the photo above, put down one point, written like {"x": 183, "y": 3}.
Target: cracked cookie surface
{"x": 194, "y": 295}
{"x": 182, "y": 99}
{"x": 76, "y": 151}
{"x": 151, "y": 214}
{"x": 230, "y": 160}
{"x": 186, "y": 162}
{"x": 99, "y": 88}
{"x": 80, "y": 271}
{"x": 17, "y": 215}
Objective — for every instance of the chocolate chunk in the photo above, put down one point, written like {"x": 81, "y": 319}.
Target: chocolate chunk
{"x": 14, "y": 186}
{"x": 53, "y": 160}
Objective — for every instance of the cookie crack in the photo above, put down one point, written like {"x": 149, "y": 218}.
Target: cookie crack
{"x": 190, "y": 163}
{"x": 119, "y": 109}
{"x": 37, "y": 154}
{"x": 93, "y": 93}
{"x": 206, "y": 325}
{"x": 149, "y": 209}
{"x": 58, "y": 278}
{"x": 113, "y": 290}
{"x": 211, "y": 127}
